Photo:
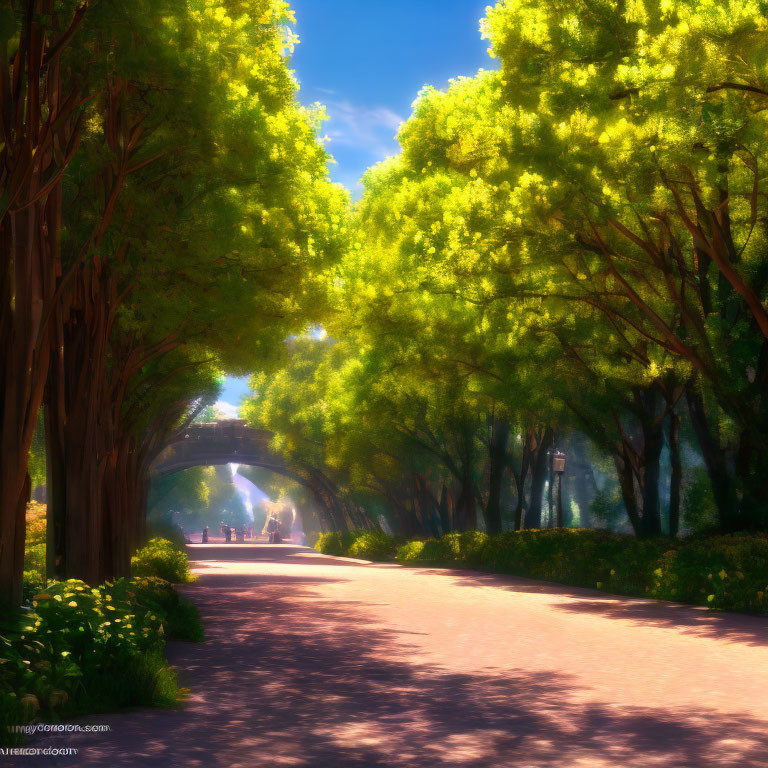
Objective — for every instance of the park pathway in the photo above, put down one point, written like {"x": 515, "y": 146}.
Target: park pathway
{"x": 319, "y": 662}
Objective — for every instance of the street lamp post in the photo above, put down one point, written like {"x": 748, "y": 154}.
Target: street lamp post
{"x": 558, "y": 467}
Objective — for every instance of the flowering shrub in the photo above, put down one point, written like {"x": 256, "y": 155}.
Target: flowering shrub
{"x": 84, "y": 649}
{"x": 725, "y": 572}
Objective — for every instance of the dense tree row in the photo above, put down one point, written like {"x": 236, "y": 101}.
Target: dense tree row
{"x": 166, "y": 215}
{"x": 571, "y": 249}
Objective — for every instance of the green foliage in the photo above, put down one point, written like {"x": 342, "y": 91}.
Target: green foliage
{"x": 36, "y": 465}
{"x": 87, "y": 650}
{"x": 162, "y": 528}
{"x": 335, "y": 543}
{"x": 411, "y": 551}
{"x": 579, "y": 557}
{"x": 722, "y": 572}
{"x": 372, "y": 545}
{"x": 437, "y": 550}
{"x": 163, "y": 559}
{"x": 34, "y": 548}
{"x": 180, "y": 618}
{"x": 700, "y": 511}
{"x": 607, "y": 507}
{"x": 472, "y": 545}
{"x": 364, "y": 544}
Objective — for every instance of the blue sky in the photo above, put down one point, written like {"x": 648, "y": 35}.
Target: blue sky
{"x": 366, "y": 60}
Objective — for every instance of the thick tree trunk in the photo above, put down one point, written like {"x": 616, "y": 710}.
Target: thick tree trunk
{"x": 30, "y": 223}
{"x": 25, "y": 291}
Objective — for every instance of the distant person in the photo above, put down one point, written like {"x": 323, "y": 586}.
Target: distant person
{"x": 272, "y": 530}
{"x": 240, "y": 535}
{"x": 205, "y": 535}
{"x": 227, "y": 534}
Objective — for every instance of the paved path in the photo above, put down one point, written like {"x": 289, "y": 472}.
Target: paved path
{"x": 318, "y": 662}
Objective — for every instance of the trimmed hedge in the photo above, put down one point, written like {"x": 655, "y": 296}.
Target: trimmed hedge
{"x": 373, "y": 545}
{"x": 720, "y": 572}
{"x": 365, "y": 545}
{"x": 577, "y": 557}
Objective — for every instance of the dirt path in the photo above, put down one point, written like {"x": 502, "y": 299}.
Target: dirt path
{"x": 318, "y": 662}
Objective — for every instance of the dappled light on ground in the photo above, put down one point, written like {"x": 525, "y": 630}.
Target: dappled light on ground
{"x": 315, "y": 661}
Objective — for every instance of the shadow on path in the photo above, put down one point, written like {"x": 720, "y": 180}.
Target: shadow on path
{"x": 288, "y": 678}
{"x": 687, "y": 619}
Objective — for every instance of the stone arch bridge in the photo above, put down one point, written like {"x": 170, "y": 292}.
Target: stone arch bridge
{"x": 234, "y": 442}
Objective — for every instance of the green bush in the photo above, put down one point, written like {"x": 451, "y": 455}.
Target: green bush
{"x": 471, "y": 546}
{"x": 721, "y": 572}
{"x": 465, "y": 547}
{"x": 335, "y": 542}
{"x": 163, "y": 528}
{"x": 410, "y": 552}
{"x": 363, "y": 544}
{"x": 436, "y": 551}
{"x": 87, "y": 650}
{"x": 373, "y": 545}
{"x": 163, "y": 559}
{"x": 580, "y": 557}
{"x": 180, "y": 618}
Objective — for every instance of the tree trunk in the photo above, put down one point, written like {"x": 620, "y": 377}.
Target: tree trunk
{"x": 444, "y": 509}
{"x": 466, "y": 507}
{"x": 520, "y": 478}
{"x": 539, "y": 473}
{"x": 723, "y": 485}
{"x": 676, "y": 474}
{"x": 626, "y": 476}
{"x": 30, "y": 225}
{"x": 653, "y": 443}
{"x": 497, "y": 459}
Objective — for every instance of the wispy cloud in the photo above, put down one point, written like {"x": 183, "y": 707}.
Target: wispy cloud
{"x": 227, "y": 410}
{"x": 370, "y": 129}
